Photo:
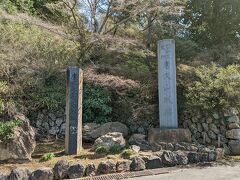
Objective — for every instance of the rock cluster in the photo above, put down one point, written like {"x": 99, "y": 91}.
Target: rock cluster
{"x": 110, "y": 140}
{"x": 21, "y": 146}
{"x": 158, "y": 159}
{"x": 215, "y": 129}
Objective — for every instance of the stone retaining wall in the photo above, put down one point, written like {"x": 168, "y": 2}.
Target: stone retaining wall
{"x": 49, "y": 123}
{"x": 217, "y": 128}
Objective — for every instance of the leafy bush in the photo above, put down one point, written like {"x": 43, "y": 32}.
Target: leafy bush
{"x": 116, "y": 149}
{"x": 215, "y": 87}
{"x": 47, "y": 157}
{"x": 6, "y": 129}
{"x": 96, "y": 104}
{"x": 102, "y": 150}
{"x": 127, "y": 153}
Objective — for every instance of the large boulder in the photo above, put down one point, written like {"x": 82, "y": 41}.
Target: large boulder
{"x": 90, "y": 170}
{"x": 110, "y": 140}
{"x": 19, "y": 173}
{"x": 233, "y": 134}
{"x": 234, "y": 146}
{"x": 139, "y": 140}
{"x": 87, "y": 131}
{"x": 76, "y": 171}
{"x": 60, "y": 169}
{"x": 22, "y": 144}
{"x": 169, "y": 158}
{"x": 92, "y": 131}
{"x": 107, "y": 167}
{"x": 137, "y": 164}
{"x": 42, "y": 174}
{"x": 123, "y": 165}
{"x": 153, "y": 162}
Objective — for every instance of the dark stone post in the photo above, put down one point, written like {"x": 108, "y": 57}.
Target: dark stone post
{"x": 73, "y": 134}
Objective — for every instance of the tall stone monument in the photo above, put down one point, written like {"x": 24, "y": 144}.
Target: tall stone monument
{"x": 168, "y": 119}
{"x": 74, "y": 91}
{"x": 167, "y": 84}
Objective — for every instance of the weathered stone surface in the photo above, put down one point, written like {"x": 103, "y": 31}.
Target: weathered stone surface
{"x": 135, "y": 148}
{"x": 23, "y": 143}
{"x": 233, "y": 119}
{"x": 178, "y": 146}
{"x": 19, "y": 174}
{"x": 42, "y": 174}
{"x": 123, "y": 166}
{"x": 212, "y": 155}
{"x": 87, "y": 131}
{"x": 107, "y": 167}
{"x": 60, "y": 169}
{"x": 206, "y": 139}
{"x": 233, "y": 134}
{"x": 193, "y": 128}
{"x": 234, "y": 146}
{"x": 110, "y": 140}
{"x": 199, "y": 127}
{"x": 193, "y": 157}
{"x": 182, "y": 158}
{"x": 137, "y": 164}
{"x": 74, "y": 93}
{"x": 203, "y": 157}
{"x": 153, "y": 162}
{"x": 209, "y": 120}
{"x": 76, "y": 171}
{"x": 167, "y": 84}
{"x": 107, "y": 128}
{"x": 212, "y": 135}
{"x": 169, "y": 158}
{"x": 230, "y": 112}
{"x": 215, "y": 115}
{"x": 3, "y": 176}
{"x": 214, "y": 128}
{"x": 226, "y": 149}
{"x": 169, "y": 147}
{"x": 156, "y": 135}
{"x": 205, "y": 127}
{"x": 139, "y": 140}
{"x": 233, "y": 126}
{"x": 90, "y": 170}
{"x": 220, "y": 153}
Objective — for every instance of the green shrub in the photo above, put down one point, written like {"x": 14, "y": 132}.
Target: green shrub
{"x": 215, "y": 88}
{"x": 127, "y": 153}
{"x": 116, "y": 149}
{"x": 6, "y": 129}
{"x": 96, "y": 104}
{"x": 47, "y": 157}
{"x": 102, "y": 150}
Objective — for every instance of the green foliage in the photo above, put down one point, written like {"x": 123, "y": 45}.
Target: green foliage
{"x": 96, "y": 104}
{"x": 102, "y": 150}
{"x": 6, "y": 129}
{"x": 127, "y": 153}
{"x": 47, "y": 157}
{"x": 116, "y": 149}
{"x": 215, "y": 87}
{"x": 212, "y": 22}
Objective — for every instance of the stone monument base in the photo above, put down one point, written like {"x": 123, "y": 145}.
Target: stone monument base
{"x": 157, "y": 135}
